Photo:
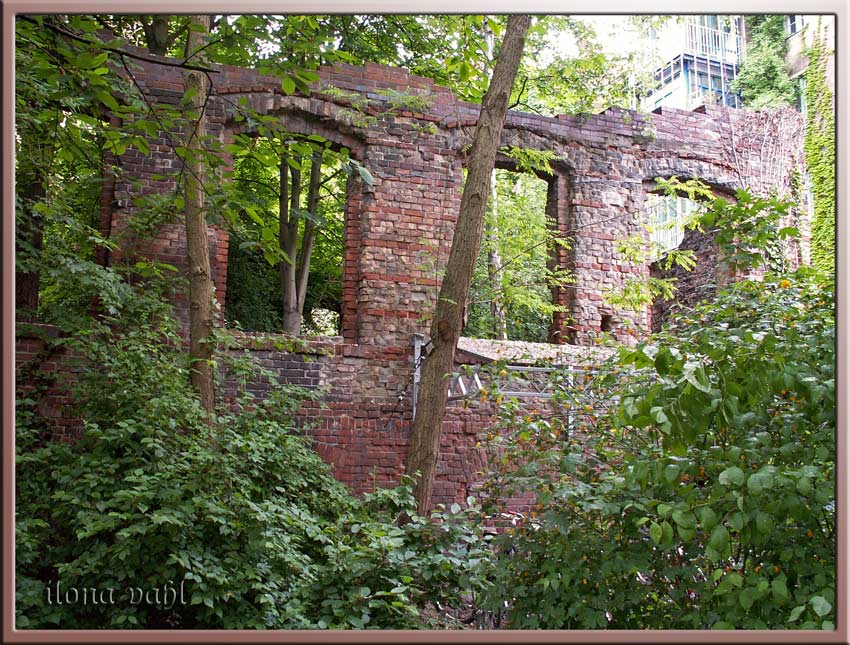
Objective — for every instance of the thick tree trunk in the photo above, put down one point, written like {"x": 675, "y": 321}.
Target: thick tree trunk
{"x": 446, "y": 326}
{"x": 309, "y": 230}
{"x": 200, "y": 277}
{"x": 289, "y": 245}
{"x": 157, "y": 34}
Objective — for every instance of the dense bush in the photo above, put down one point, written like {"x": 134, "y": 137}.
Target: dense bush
{"x": 706, "y": 497}
{"x": 240, "y": 512}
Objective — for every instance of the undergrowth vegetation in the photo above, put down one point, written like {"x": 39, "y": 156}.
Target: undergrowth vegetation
{"x": 240, "y": 521}
{"x": 705, "y": 496}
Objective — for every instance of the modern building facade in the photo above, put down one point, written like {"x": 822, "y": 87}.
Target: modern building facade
{"x": 800, "y": 33}
{"x": 701, "y": 56}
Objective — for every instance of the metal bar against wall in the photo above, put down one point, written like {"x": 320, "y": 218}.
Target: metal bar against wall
{"x": 418, "y": 344}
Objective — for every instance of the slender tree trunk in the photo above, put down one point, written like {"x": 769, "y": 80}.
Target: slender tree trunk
{"x": 494, "y": 263}
{"x": 491, "y": 232}
{"x": 309, "y": 230}
{"x": 445, "y": 330}
{"x": 32, "y": 178}
{"x": 289, "y": 245}
{"x": 200, "y": 276}
{"x": 107, "y": 198}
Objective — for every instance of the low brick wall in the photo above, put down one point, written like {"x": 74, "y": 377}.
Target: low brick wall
{"x": 358, "y": 426}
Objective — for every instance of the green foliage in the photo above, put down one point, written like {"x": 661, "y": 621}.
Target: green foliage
{"x": 523, "y": 240}
{"x": 241, "y": 516}
{"x": 254, "y": 299}
{"x": 820, "y": 153}
{"x": 62, "y": 89}
{"x": 745, "y": 229}
{"x": 638, "y": 292}
{"x": 366, "y": 111}
{"x": 763, "y": 79}
{"x": 704, "y": 497}
{"x": 530, "y": 160}
{"x": 582, "y": 83}
{"x": 380, "y": 574}
{"x": 253, "y": 284}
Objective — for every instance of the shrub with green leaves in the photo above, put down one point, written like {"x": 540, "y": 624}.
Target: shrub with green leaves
{"x": 238, "y": 515}
{"x": 705, "y": 497}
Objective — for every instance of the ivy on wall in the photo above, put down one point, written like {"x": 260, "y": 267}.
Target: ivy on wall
{"x": 820, "y": 153}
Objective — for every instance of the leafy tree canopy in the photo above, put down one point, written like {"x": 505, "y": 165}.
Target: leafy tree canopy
{"x": 763, "y": 79}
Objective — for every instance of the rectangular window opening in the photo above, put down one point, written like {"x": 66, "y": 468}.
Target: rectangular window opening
{"x": 316, "y": 210}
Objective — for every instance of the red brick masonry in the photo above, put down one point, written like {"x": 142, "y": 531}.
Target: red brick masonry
{"x": 398, "y": 229}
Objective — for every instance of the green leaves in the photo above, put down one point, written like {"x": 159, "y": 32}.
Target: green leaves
{"x": 719, "y": 540}
{"x": 684, "y": 519}
{"x": 820, "y": 605}
{"x": 732, "y": 477}
{"x": 248, "y": 519}
{"x": 287, "y": 84}
{"x": 695, "y": 375}
{"x": 759, "y": 482}
{"x": 717, "y": 514}
{"x": 90, "y": 60}
{"x": 707, "y": 518}
{"x": 655, "y": 532}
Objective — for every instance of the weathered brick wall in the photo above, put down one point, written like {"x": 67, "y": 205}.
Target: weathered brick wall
{"x": 42, "y": 375}
{"x": 359, "y": 426}
{"x": 691, "y": 286}
{"x": 398, "y": 231}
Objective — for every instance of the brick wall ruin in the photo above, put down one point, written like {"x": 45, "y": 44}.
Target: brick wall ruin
{"x": 605, "y": 165}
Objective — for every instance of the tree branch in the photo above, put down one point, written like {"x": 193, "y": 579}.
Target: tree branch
{"x": 117, "y": 50}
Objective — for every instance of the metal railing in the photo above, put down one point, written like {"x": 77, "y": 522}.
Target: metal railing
{"x": 714, "y": 43}
{"x": 520, "y": 381}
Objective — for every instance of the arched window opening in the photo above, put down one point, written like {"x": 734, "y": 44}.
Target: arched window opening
{"x": 285, "y": 262}
{"x": 666, "y": 219}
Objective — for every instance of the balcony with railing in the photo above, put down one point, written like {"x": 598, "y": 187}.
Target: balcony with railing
{"x": 720, "y": 44}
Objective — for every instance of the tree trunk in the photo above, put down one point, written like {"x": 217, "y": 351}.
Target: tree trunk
{"x": 157, "y": 34}
{"x": 494, "y": 264}
{"x": 200, "y": 278}
{"x": 107, "y": 198}
{"x": 491, "y": 231}
{"x": 289, "y": 245}
{"x": 309, "y": 229}
{"x": 445, "y": 329}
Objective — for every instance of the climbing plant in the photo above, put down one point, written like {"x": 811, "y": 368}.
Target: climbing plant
{"x": 820, "y": 152}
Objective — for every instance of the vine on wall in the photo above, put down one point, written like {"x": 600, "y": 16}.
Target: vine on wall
{"x": 820, "y": 153}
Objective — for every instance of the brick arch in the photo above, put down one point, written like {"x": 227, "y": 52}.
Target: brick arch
{"x": 297, "y": 120}
{"x": 719, "y": 177}
{"x": 407, "y": 219}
